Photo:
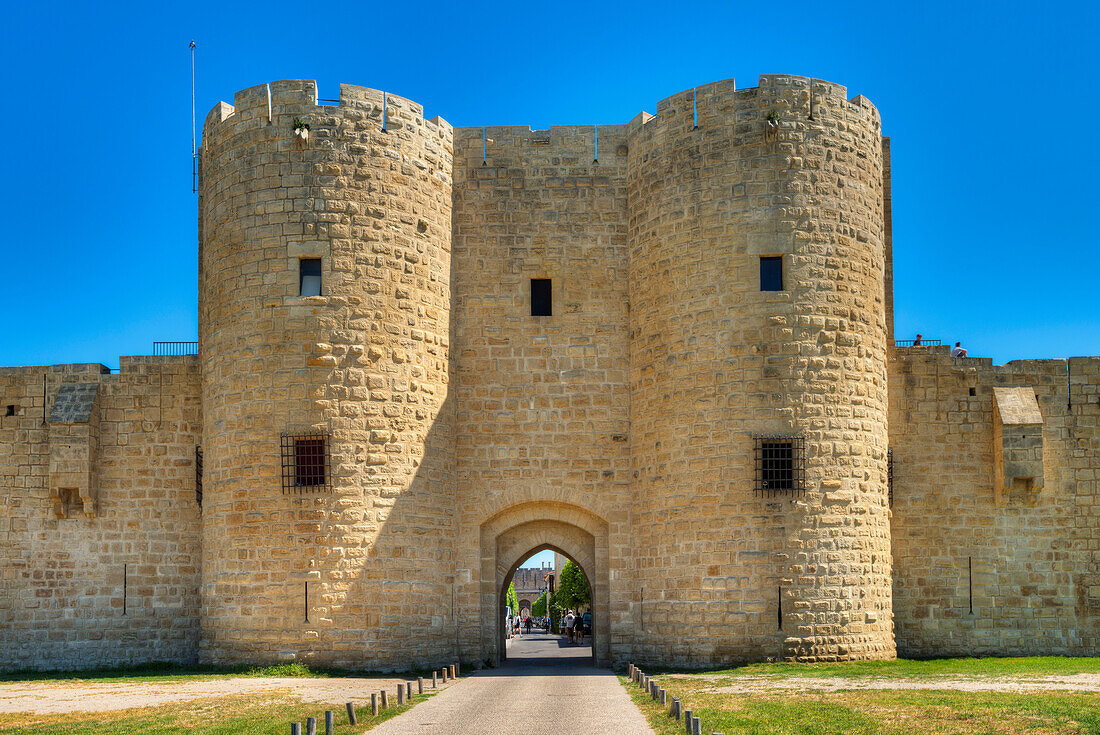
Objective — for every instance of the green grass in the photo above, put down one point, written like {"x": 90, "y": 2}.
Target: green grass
{"x": 229, "y": 715}
{"x": 916, "y": 669}
{"x": 795, "y": 711}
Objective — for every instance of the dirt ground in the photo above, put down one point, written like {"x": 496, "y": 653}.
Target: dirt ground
{"x": 55, "y": 697}
{"x": 746, "y": 685}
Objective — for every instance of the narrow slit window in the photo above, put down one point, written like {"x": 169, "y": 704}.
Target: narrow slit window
{"x": 771, "y": 273}
{"x": 11, "y": 410}
{"x": 541, "y": 297}
{"x": 309, "y": 277}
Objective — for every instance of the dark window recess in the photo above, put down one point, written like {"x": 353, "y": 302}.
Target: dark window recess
{"x": 541, "y": 297}
{"x": 890, "y": 475}
{"x": 305, "y": 463}
{"x": 198, "y": 475}
{"x": 10, "y": 410}
{"x": 771, "y": 274}
{"x": 780, "y": 465}
{"x": 973, "y": 392}
{"x": 309, "y": 277}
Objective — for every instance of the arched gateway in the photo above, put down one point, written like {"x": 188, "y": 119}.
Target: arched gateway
{"x": 512, "y": 535}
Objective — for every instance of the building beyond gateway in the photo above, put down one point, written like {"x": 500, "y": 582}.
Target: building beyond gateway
{"x": 663, "y": 349}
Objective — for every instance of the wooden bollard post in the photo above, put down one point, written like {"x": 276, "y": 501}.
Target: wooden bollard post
{"x": 454, "y": 671}
{"x": 687, "y": 721}
{"x": 351, "y": 713}
{"x": 458, "y": 669}
{"x": 295, "y": 728}
{"x": 662, "y": 696}
{"x": 408, "y": 690}
{"x": 435, "y": 683}
{"x": 311, "y": 726}
{"x": 385, "y": 699}
{"x": 696, "y": 726}
{"x": 674, "y": 711}
{"x": 330, "y": 722}
{"x": 443, "y": 674}
{"x": 420, "y": 685}
{"x": 400, "y": 694}
{"x": 374, "y": 703}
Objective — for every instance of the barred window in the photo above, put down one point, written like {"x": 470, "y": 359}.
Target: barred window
{"x": 890, "y": 475}
{"x": 198, "y": 475}
{"x": 780, "y": 465}
{"x": 305, "y": 462}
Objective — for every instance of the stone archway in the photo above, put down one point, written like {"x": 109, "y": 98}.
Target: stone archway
{"x": 515, "y": 533}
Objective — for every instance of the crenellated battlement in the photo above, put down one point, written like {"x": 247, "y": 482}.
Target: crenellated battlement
{"x": 299, "y": 97}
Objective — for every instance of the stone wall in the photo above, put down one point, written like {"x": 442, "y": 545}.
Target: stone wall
{"x": 114, "y": 580}
{"x": 358, "y": 572}
{"x": 977, "y": 572}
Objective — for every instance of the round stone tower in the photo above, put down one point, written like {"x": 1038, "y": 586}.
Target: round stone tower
{"x": 324, "y": 270}
{"x": 758, "y": 406}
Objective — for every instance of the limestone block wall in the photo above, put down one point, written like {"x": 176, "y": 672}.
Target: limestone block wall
{"x": 714, "y": 361}
{"x": 542, "y": 400}
{"x": 351, "y": 575}
{"x": 977, "y": 572}
{"x": 120, "y": 586}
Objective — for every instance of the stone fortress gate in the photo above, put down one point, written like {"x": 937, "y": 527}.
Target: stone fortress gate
{"x": 663, "y": 349}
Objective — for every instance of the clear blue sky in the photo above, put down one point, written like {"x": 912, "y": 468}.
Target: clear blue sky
{"x": 992, "y": 109}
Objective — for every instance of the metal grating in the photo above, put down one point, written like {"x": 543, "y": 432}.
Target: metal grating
{"x": 175, "y": 349}
{"x": 305, "y": 463}
{"x": 890, "y": 475}
{"x": 198, "y": 475}
{"x": 780, "y": 465}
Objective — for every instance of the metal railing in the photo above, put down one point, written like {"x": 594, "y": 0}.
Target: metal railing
{"x": 175, "y": 349}
{"x": 913, "y": 343}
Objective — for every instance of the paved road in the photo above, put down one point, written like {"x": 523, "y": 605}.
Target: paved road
{"x": 547, "y": 687}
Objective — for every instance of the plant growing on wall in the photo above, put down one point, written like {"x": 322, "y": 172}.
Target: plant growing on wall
{"x": 301, "y": 129}
{"x": 511, "y": 600}
{"x": 771, "y": 126}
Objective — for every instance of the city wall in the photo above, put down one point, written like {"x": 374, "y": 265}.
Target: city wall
{"x": 985, "y": 566}
{"x": 107, "y": 575}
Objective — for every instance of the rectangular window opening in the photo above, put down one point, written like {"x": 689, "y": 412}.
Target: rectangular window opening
{"x": 306, "y": 463}
{"x": 771, "y": 273}
{"x": 309, "y": 277}
{"x": 11, "y": 410}
{"x": 541, "y": 297}
{"x": 780, "y": 465}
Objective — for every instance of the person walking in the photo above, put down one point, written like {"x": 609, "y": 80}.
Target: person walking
{"x": 568, "y": 622}
{"x": 578, "y": 630}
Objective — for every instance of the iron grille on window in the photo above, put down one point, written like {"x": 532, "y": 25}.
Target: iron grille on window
{"x": 198, "y": 475}
{"x": 890, "y": 475}
{"x": 305, "y": 463}
{"x": 780, "y": 465}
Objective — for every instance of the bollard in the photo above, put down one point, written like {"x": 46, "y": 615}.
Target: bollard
{"x": 434, "y": 682}
{"x": 311, "y": 726}
{"x": 408, "y": 690}
{"x": 687, "y": 721}
{"x": 374, "y": 703}
{"x": 454, "y": 671}
{"x": 458, "y": 669}
{"x": 420, "y": 685}
{"x": 330, "y": 722}
{"x": 443, "y": 674}
{"x": 351, "y": 713}
{"x": 400, "y": 694}
{"x": 674, "y": 710}
{"x": 653, "y": 690}
{"x": 661, "y": 693}
{"x": 295, "y": 728}
{"x": 696, "y": 726}
{"x": 385, "y": 699}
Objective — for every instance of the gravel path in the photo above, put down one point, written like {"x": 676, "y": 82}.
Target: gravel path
{"x": 748, "y": 685}
{"x": 546, "y": 688}
{"x": 52, "y": 697}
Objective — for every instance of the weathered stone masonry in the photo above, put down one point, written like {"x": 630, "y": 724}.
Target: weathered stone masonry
{"x": 947, "y": 505}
